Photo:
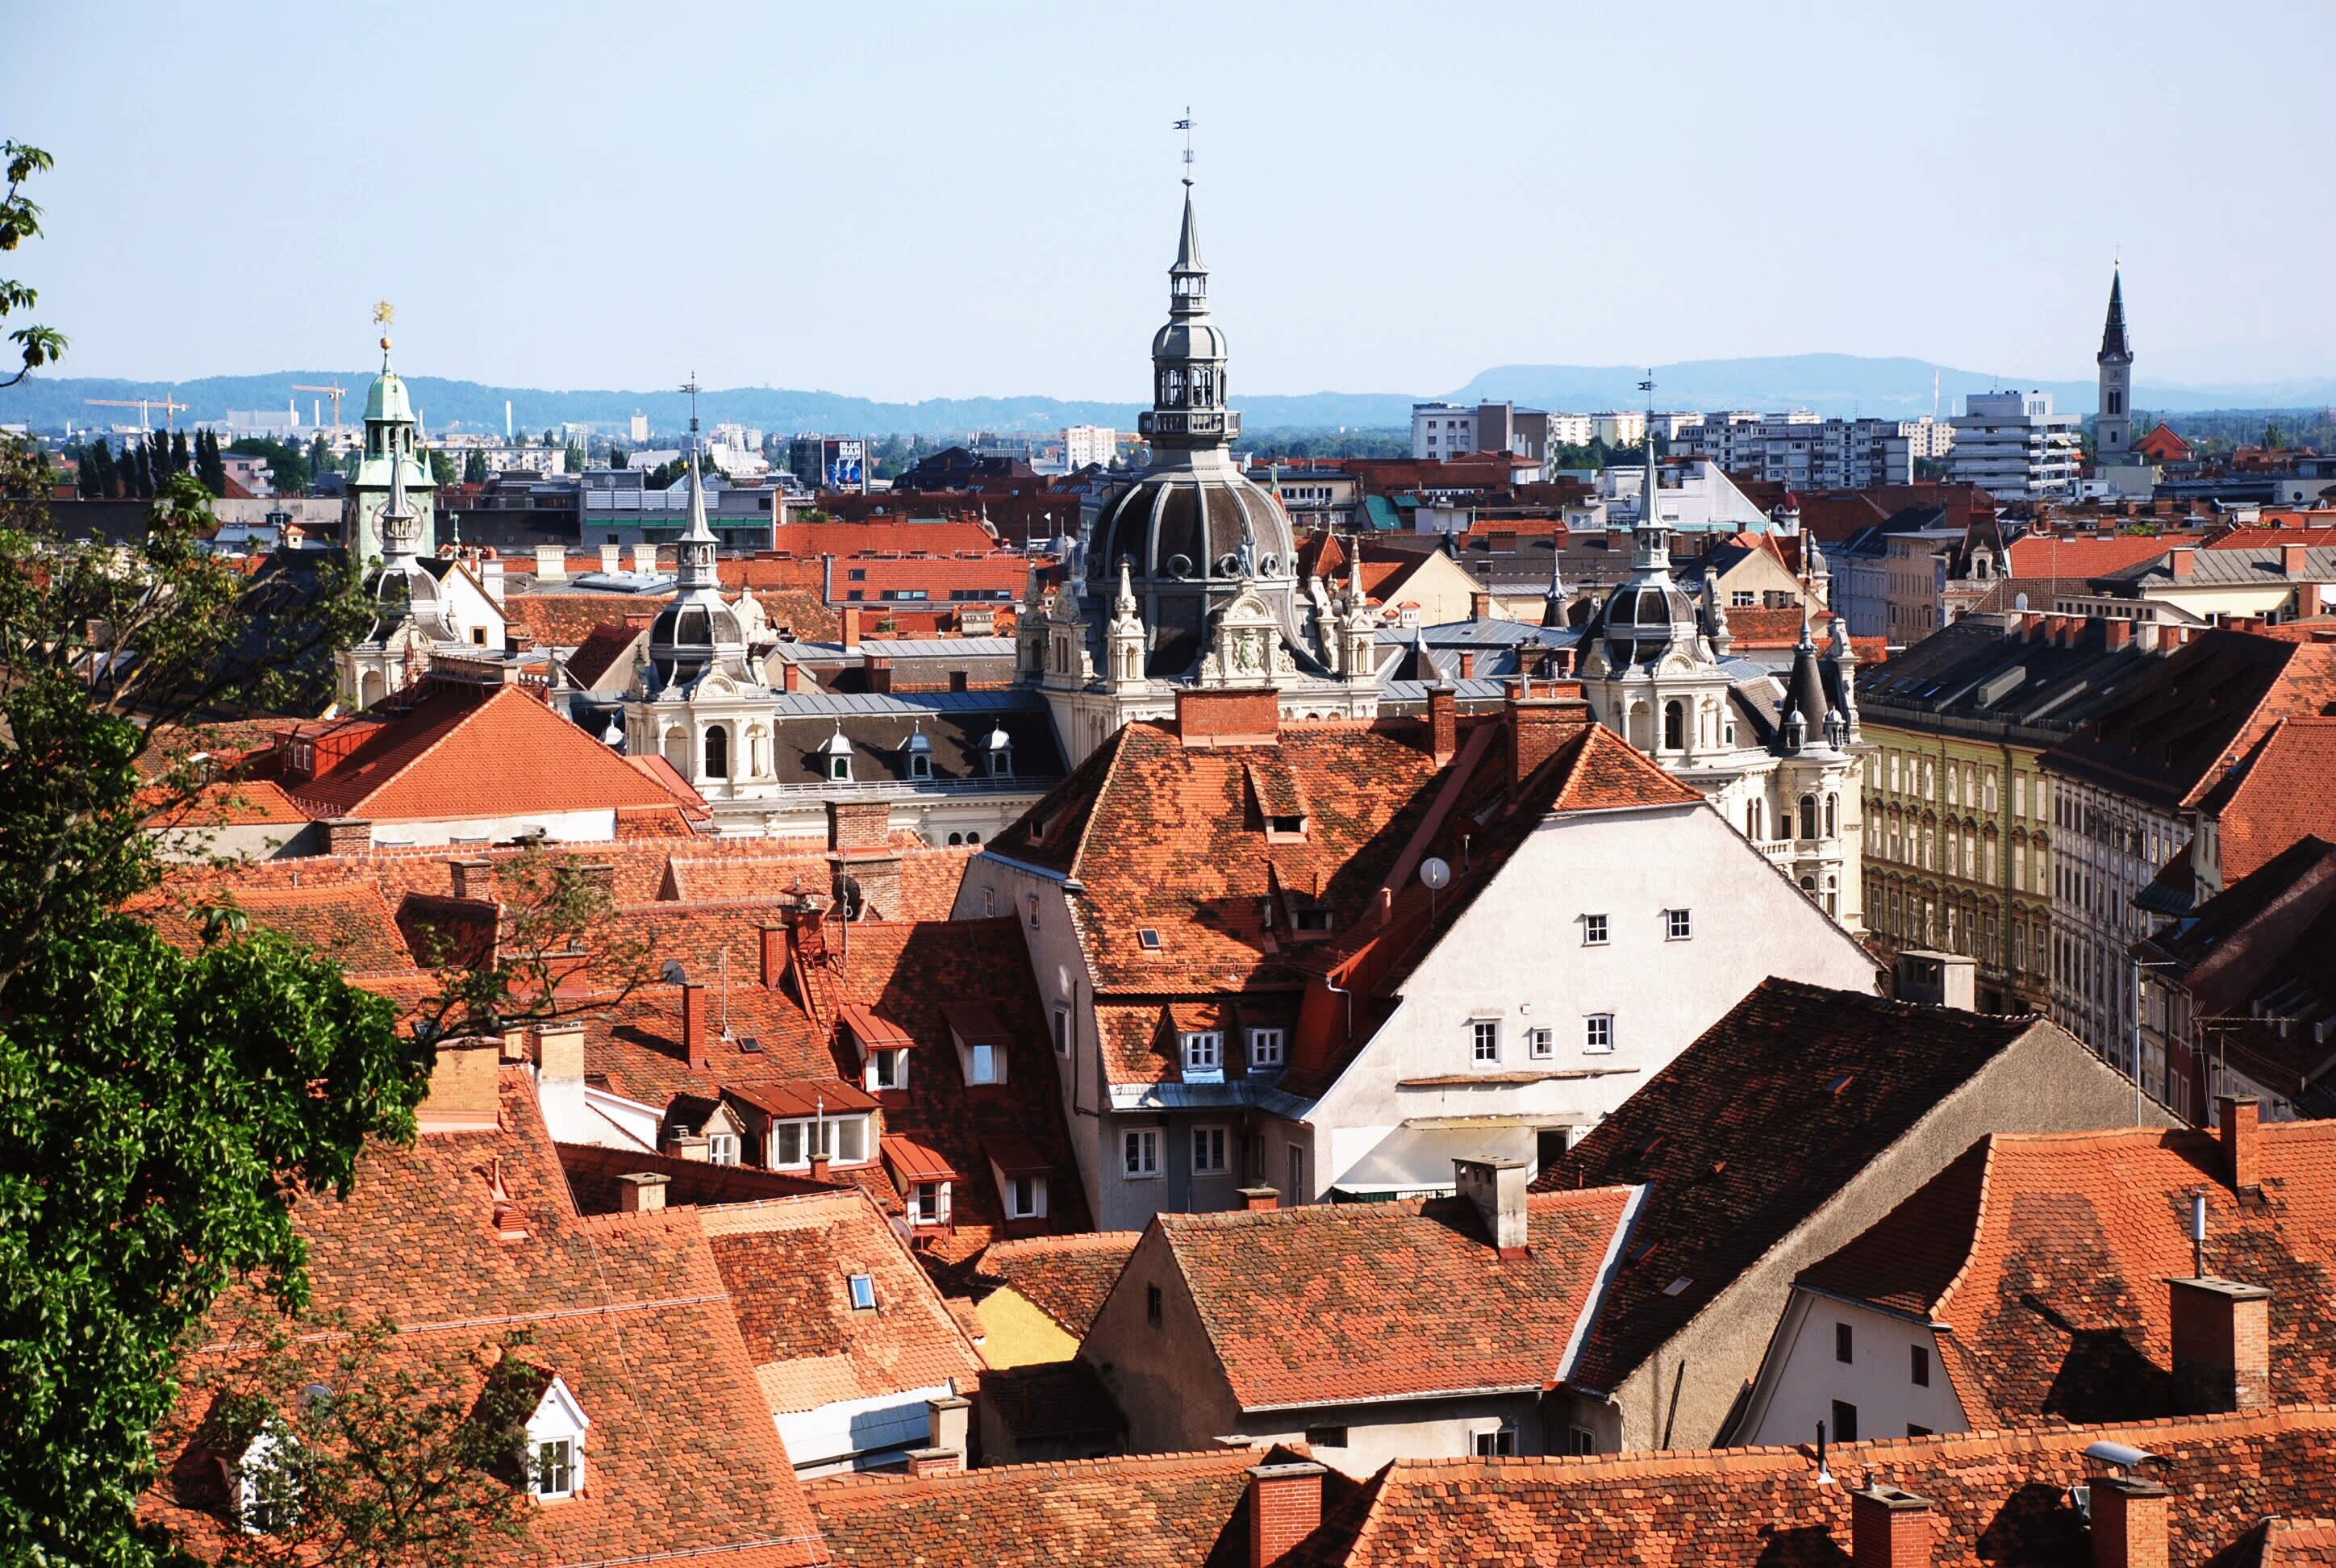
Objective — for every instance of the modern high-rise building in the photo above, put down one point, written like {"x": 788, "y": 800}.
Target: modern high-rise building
{"x": 2014, "y": 446}
{"x": 1802, "y": 450}
{"x": 1089, "y": 444}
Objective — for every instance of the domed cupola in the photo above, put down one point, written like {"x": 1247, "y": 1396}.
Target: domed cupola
{"x": 1648, "y": 615}
{"x": 698, "y": 632}
{"x": 1193, "y": 532}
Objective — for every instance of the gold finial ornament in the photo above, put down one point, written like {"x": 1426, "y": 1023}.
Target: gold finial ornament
{"x": 384, "y": 313}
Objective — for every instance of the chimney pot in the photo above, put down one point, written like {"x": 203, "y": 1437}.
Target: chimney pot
{"x": 1255, "y": 1198}
{"x": 642, "y": 1191}
{"x": 1889, "y": 1528}
{"x": 1285, "y": 1506}
{"x": 2237, "y": 1115}
{"x": 1497, "y": 1188}
{"x": 1443, "y": 722}
{"x": 949, "y": 1423}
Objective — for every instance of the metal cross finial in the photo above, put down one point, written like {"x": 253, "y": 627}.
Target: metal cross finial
{"x": 1647, "y": 386}
{"x": 690, "y": 386}
{"x": 1185, "y": 125}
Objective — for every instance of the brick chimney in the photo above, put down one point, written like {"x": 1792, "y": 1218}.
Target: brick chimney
{"x": 878, "y": 671}
{"x": 851, "y": 626}
{"x": 1539, "y": 725}
{"x": 1256, "y": 1198}
{"x": 1889, "y": 1528}
{"x": 1443, "y": 721}
{"x": 2291, "y": 559}
{"x": 2129, "y": 1522}
{"x": 2181, "y": 561}
{"x": 934, "y": 1461}
{"x": 774, "y": 956}
{"x": 473, "y": 878}
{"x": 793, "y": 676}
{"x": 818, "y": 1168}
{"x": 462, "y": 1095}
{"x": 642, "y": 1191}
{"x": 1467, "y": 664}
{"x": 1250, "y": 716}
{"x": 858, "y": 824}
{"x": 686, "y": 1146}
{"x": 1285, "y": 1506}
{"x": 2118, "y": 633}
{"x": 348, "y": 835}
{"x": 2222, "y": 1345}
{"x": 1497, "y": 1188}
{"x": 2237, "y": 1116}
{"x": 692, "y": 1025}
{"x": 1480, "y": 606}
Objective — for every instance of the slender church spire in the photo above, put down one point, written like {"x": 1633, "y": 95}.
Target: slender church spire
{"x": 399, "y": 531}
{"x": 697, "y": 545}
{"x": 1651, "y": 544}
{"x": 2113, "y": 339}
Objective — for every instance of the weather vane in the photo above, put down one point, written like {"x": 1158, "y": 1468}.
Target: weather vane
{"x": 1185, "y": 125}
{"x": 384, "y": 313}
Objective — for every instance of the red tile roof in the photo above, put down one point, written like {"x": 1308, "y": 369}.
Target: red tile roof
{"x": 2279, "y": 795}
{"x": 1771, "y": 1112}
{"x": 1333, "y": 1303}
{"x": 1997, "y": 1500}
{"x": 603, "y": 646}
{"x": 1149, "y": 1510}
{"x": 2047, "y": 1256}
{"x": 1067, "y": 1278}
{"x": 788, "y": 1263}
{"x": 350, "y": 923}
{"x": 232, "y": 804}
{"x": 453, "y": 755}
{"x": 628, "y": 1309}
{"x": 2086, "y": 555}
{"x": 567, "y": 618}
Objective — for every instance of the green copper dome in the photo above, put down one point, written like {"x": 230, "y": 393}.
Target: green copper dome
{"x": 387, "y": 400}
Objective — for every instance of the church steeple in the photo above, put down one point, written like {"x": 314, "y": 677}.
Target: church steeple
{"x": 2112, "y": 429}
{"x": 400, "y": 523}
{"x": 1188, "y": 358}
{"x": 2113, "y": 339}
{"x": 1650, "y": 541}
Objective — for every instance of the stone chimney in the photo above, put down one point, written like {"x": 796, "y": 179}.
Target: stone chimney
{"x": 2129, "y": 1522}
{"x": 348, "y": 835}
{"x": 473, "y": 878}
{"x": 948, "y": 1427}
{"x": 1253, "y": 1199}
{"x": 2237, "y": 1115}
{"x": 1285, "y": 1506}
{"x": 612, "y": 559}
{"x": 550, "y": 563}
{"x": 1443, "y": 722}
{"x": 645, "y": 560}
{"x": 1539, "y": 725}
{"x": 1889, "y": 1528}
{"x": 774, "y": 956}
{"x": 462, "y": 1094}
{"x": 692, "y": 1025}
{"x": 1497, "y": 1188}
{"x": 2222, "y": 1345}
{"x": 560, "y": 1077}
{"x": 686, "y": 1146}
{"x": 490, "y": 579}
{"x": 642, "y": 1191}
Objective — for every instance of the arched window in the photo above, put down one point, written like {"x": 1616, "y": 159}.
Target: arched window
{"x": 1833, "y": 816}
{"x": 1674, "y": 726}
{"x": 717, "y": 752}
{"x": 1809, "y": 816}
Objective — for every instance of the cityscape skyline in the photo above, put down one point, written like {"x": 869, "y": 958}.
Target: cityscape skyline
{"x": 1635, "y": 221}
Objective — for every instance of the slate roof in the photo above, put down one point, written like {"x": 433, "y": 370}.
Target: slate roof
{"x": 1984, "y": 670}
{"x": 626, "y": 1309}
{"x": 2047, "y": 1257}
{"x": 1067, "y": 1278}
{"x": 1997, "y": 1500}
{"x": 454, "y": 754}
{"x": 2233, "y": 566}
{"x": 1147, "y": 1511}
{"x": 1330, "y": 1302}
{"x": 1771, "y": 1112}
{"x": 787, "y": 1263}
{"x": 2197, "y": 711}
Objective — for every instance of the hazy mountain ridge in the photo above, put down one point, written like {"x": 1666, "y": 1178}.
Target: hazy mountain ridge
{"x": 1833, "y": 384}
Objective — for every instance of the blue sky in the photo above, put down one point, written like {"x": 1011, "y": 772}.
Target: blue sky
{"x": 906, "y": 202}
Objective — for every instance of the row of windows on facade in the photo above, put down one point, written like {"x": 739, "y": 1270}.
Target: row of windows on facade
{"x": 1968, "y": 785}
{"x": 844, "y": 1140}
{"x": 1756, "y": 818}
{"x": 2145, "y": 842}
{"x": 1210, "y": 1146}
{"x": 1976, "y": 857}
{"x": 1907, "y": 916}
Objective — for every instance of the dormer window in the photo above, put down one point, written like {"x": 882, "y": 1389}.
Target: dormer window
{"x": 999, "y": 746}
{"x": 555, "y": 1443}
{"x": 1267, "y": 1048}
{"x": 919, "y": 753}
{"x": 1204, "y": 1054}
{"x": 920, "y": 765}
{"x": 263, "y": 1484}
{"x": 1310, "y": 920}
{"x": 887, "y": 1069}
{"x": 1285, "y": 827}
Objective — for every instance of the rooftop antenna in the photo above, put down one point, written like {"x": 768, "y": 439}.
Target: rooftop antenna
{"x": 726, "y": 991}
{"x": 2198, "y": 1232}
{"x": 1185, "y": 125}
{"x": 690, "y": 386}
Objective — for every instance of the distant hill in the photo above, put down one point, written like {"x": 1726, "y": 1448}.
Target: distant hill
{"x": 1833, "y": 384}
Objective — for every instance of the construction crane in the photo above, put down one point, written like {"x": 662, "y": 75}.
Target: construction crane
{"x": 168, "y": 405}
{"x": 336, "y": 393}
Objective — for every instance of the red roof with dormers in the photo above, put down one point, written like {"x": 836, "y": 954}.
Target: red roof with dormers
{"x": 2278, "y": 795}
{"x": 453, "y": 755}
{"x": 629, "y": 1310}
{"x": 2046, "y": 1256}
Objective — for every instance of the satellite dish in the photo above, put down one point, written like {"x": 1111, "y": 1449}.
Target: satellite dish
{"x": 672, "y": 974}
{"x": 1436, "y": 873}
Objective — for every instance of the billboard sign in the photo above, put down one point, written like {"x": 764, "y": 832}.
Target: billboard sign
{"x": 845, "y": 464}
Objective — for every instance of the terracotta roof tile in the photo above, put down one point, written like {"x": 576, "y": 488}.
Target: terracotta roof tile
{"x": 2278, "y": 795}
{"x": 350, "y": 923}
{"x": 2047, "y": 1255}
{"x": 1067, "y": 1278}
{"x": 1339, "y": 1301}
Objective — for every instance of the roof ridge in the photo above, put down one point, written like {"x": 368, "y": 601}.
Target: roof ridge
{"x": 1229, "y": 1456}
{"x": 1979, "y": 1213}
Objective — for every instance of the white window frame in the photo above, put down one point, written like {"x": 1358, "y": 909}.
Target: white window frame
{"x": 1035, "y": 1208}
{"x": 1139, "y": 1153}
{"x": 897, "y": 1066}
{"x": 980, "y": 1064}
{"x": 858, "y": 1286}
{"x": 1598, "y": 1034}
{"x": 1541, "y": 1043}
{"x": 1203, "y": 1137}
{"x": 1493, "y": 1442}
{"x": 1485, "y": 1042}
{"x": 1679, "y": 925}
{"x": 721, "y": 1148}
{"x": 1203, "y": 1050}
{"x": 939, "y": 1213}
{"x": 1268, "y": 1049}
{"x": 1596, "y": 930}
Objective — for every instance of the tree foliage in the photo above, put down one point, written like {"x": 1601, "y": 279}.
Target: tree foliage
{"x": 156, "y": 1103}
{"x": 20, "y": 219}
